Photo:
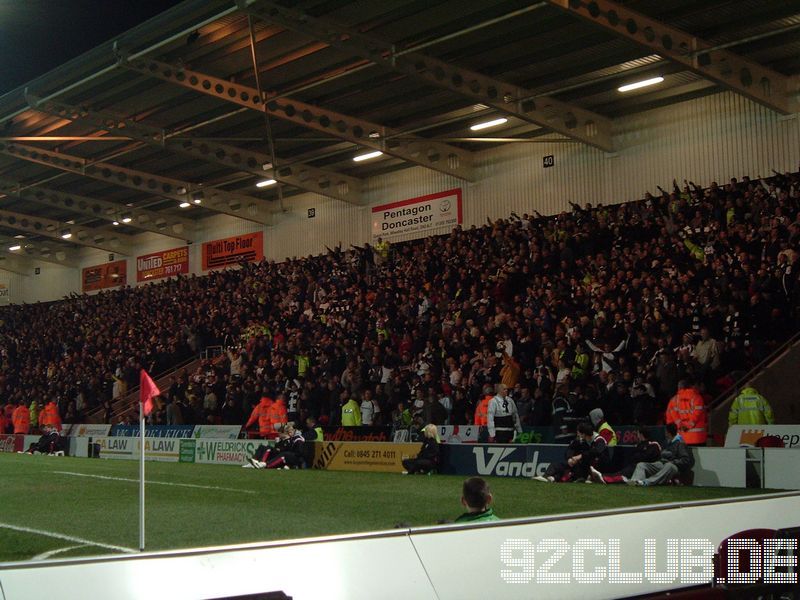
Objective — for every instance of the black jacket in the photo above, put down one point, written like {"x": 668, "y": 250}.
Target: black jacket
{"x": 678, "y": 454}
{"x": 429, "y": 450}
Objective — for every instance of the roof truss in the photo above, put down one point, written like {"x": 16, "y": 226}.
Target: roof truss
{"x": 746, "y": 77}
{"x": 427, "y": 153}
{"x": 301, "y": 175}
{"x": 564, "y": 118}
{"x": 137, "y": 218}
{"x": 237, "y": 205}
{"x": 78, "y": 234}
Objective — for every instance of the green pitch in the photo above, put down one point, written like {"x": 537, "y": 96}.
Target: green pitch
{"x": 62, "y": 507}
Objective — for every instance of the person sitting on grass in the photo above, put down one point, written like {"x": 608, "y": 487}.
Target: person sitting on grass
{"x": 49, "y": 443}
{"x": 287, "y": 453}
{"x": 477, "y": 498}
{"x": 676, "y": 458}
{"x": 646, "y": 450}
{"x": 428, "y": 458}
{"x": 589, "y": 449}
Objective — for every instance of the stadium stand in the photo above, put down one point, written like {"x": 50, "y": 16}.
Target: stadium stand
{"x": 605, "y": 306}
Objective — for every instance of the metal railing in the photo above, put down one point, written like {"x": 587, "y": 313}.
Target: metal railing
{"x": 740, "y": 383}
{"x": 120, "y": 405}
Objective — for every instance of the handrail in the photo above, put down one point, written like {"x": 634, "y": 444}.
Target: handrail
{"x": 739, "y": 384}
{"x": 133, "y": 392}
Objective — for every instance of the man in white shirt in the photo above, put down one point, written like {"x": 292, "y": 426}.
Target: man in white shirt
{"x": 503, "y": 418}
{"x": 369, "y": 408}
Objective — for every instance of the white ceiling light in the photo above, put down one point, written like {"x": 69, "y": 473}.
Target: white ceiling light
{"x": 265, "y": 183}
{"x": 367, "y": 156}
{"x": 184, "y": 205}
{"x": 126, "y": 218}
{"x": 14, "y": 248}
{"x": 640, "y": 84}
{"x": 198, "y": 200}
{"x": 487, "y": 124}
{"x": 115, "y": 222}
{"x": 66, "y": 234}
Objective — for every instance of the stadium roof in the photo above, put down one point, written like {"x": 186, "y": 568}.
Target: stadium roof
{"x": 169, "y": 112}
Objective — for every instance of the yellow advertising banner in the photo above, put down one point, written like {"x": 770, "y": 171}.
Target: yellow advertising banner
{"x": 384, "y": 457}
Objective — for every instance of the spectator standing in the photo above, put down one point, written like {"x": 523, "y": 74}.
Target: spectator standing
{"x": 750, "y": 408}
{"x": 351, "y": 413}
{"x": 50, "y": 417}
{"x": 262, "y": 414}
{"x": 369, "y": 408}
{"x": 687, "y": 411}
{"x": 602, "y": 427}
{"x": 503, "y": 418}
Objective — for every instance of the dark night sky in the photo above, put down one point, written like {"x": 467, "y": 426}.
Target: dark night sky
{"x": 37, "y": 36}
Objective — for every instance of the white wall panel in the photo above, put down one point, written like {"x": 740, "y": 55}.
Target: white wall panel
{"x": 52, "y": 283}
{"x": 710, "y": 138}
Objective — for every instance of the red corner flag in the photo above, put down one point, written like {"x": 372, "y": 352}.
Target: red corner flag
{"x": 147, "y": 391}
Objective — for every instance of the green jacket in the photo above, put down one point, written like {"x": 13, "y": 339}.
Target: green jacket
{"x": 580, "y": 365}
{"x": 487, "y": 515}
{"x": 351, "y": 414}
{"x": 696, "y": 250}
{"x": 750, "y": 408}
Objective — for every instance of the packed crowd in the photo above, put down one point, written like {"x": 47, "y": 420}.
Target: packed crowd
{"x": 605, "y": 306}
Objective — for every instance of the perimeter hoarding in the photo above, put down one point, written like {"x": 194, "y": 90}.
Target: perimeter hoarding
{"x": 159, "y": 265}
{"x": 129, "y": 448}
{"x": 232, "y": 251}
{"x": 748, "y": 435}
{"x": 99, "y": 277}
{"x": 418, "y": 217}
{"x": 362, "y": 456}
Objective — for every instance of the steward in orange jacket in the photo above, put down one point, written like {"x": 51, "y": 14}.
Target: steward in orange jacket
{"x": 261, "y": 413}
{"x": 688, "y": 411}
{"x": 482, "y": 411}
{"x": 49, "y": 417}
{"x": 22, "y": 419}
{"x": 277, "y": 412}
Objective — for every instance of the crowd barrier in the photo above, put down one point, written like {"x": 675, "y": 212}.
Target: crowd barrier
{"x": 714, "y": 467}
{"x": 603, "y": 554}
{"x": 231, "y": 432}
{"x": 472, "y": 434}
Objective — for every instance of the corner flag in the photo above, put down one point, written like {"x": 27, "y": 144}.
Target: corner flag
{"x": 147, "y": 391}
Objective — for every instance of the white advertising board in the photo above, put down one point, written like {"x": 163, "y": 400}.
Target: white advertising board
{"x": 720, "y": 467}
{"x": 780, "y": 468}
{"x": 418, "y": 217}
{"x": 747, "y": 435}
{"x": 162, "y": 449}
{"x": 219, "y": 432}
{"x": 587, "y": 555}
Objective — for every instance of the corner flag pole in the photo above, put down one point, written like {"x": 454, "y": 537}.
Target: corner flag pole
{"x": 141, "y": 477}
{"x": 147, "y": 391}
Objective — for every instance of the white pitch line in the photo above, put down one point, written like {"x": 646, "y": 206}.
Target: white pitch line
{"x": 50, "y": 553}
{"x": 62, "y": 536}
{"x": 150, "y": 482}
